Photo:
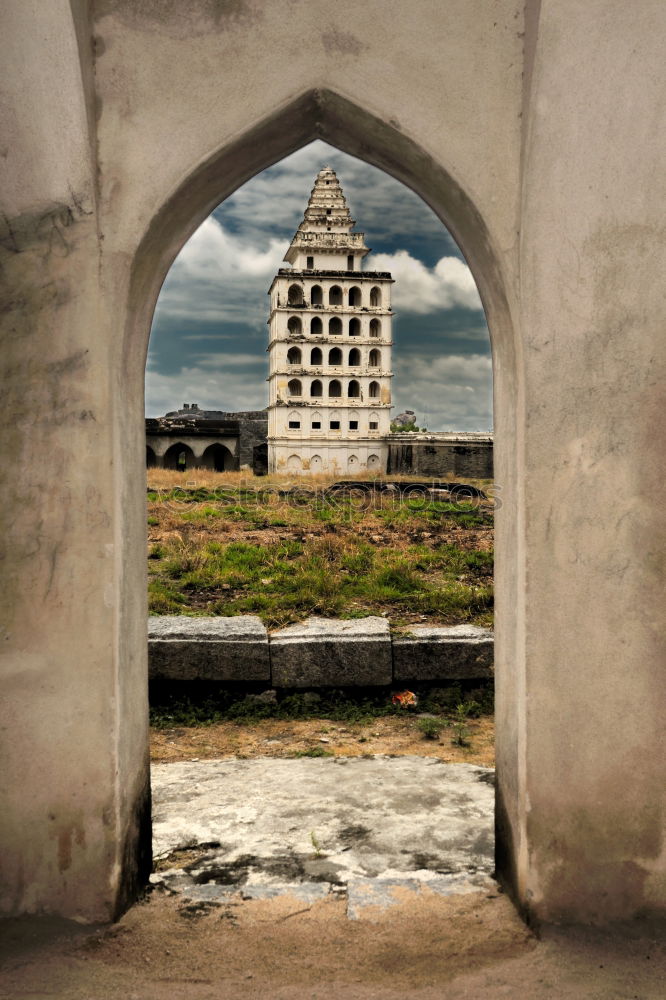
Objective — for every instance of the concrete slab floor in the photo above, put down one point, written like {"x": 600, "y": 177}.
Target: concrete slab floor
{"x": 273, "y": 925}
{"x": 363, "y": 827}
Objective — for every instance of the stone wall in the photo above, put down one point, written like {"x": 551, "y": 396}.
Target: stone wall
{"x": 319, "y": 652}
{"x": 441, "y": 456}
{"x": 243, "y": 433}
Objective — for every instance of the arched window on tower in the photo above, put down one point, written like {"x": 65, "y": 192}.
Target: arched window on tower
{"x": 315, "y": 326}
{"x": 316, "y": 388}
{"x": 295, "y": 296}
{"x": 334, "y": 326}
{"x": 335, "y": 356}
{"x": 316, "y": 356}
{"x": 375, "y": 358}
{"x": 375, "y": 328}
{"x": 354, "y": 357}
{"x": 316, "y": 296}
{"x": 316, "y": 421}
{"x": 335, "y": 296}
{"x": 373, "y": 390}
{"x": 354, "y": 327}
{"x": 294, "y": 356}
{"x": 294, "y": 387}
{"x": 354, "y": 296}
{"x": 294, "y": 325}
{"x": 334, "y": 388}
{"x": 294, "y": 421}
{"x": 373, "y": 421}
{"x": 375, "y": 296}
{"x": 354, "y": 389}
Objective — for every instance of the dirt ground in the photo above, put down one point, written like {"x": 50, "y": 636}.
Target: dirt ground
{"x": 427, "y": 948}
{"x": 287, "y": 738}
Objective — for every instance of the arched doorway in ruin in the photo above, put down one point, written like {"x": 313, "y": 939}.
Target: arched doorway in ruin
{"x": 218, "y": 457}
{"x": 348, "y": 126}
{"x": 179, "y": 456}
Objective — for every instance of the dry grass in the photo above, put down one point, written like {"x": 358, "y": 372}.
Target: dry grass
{"x": 196, "y": 478}
{"x": 241, "y": 546}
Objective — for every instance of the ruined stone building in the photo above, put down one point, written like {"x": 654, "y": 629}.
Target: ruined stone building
{"x": 207, "y": 439}
{"x": 329, "y": 346}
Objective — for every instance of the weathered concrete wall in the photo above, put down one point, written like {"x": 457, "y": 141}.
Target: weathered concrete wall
{"x": 548, "y": 167}
{"x": 442, "y": 456}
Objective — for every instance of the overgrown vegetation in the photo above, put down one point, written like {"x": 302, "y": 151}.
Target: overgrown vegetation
{"x": 231, "y": 550}
{"x": 206, "y": 703}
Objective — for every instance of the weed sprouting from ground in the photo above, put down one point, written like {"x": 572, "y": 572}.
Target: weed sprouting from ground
{"x": 430, "y": 728}
{"x": 178, "y": 704}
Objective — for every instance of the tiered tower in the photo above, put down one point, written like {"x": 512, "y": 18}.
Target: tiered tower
{"x": 329, "y": 346}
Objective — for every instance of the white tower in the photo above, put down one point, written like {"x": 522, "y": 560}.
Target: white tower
{"x": 329, "y": 346}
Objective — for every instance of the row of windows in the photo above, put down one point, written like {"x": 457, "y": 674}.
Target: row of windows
{"x": 295, "y": 326}
{"x": 333, "y": 425}
{"x": 314, "y": 464}
{"x": 336, "y": 296}
{"x": 335, "y": 357}
{"x": 295, "y": 388}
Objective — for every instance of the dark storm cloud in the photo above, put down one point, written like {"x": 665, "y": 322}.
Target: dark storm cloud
{"x": 208, "y": 341}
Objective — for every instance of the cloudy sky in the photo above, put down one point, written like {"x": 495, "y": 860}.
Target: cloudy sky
{"x": 209, "y": 334}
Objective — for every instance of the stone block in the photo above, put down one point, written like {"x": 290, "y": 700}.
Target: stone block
{"x": 211, "y": 649}
{"x": 322, "y": 652}
{"x": 457, "y": 652}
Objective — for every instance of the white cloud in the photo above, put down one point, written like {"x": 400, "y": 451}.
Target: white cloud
{"x": 220, "y": 276}
{"x": 419, "y": 289}
{"x": 211, "y": 389}
{"x": 451, "y": 392}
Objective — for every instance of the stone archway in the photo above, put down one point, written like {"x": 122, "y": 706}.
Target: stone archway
{"x": 327, "y": 115}
{"x": 179, "y": 456}
{"x": 218, "y": 457}
{"x": 114, "y": 178}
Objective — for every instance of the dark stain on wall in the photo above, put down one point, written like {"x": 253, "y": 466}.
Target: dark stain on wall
{"x": 467, "y": 459}
{"x": 136, "y": 855}
{"x": 180, "y": 19}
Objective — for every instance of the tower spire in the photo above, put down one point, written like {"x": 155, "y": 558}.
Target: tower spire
{"x": 325, "y": 232}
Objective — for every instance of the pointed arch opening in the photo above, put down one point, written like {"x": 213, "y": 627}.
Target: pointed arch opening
{"x": 294, "y": 356}
{"x": 218, "y": 458}
{"x": 295, "y": 296}
{"x": 317, "y": 113}
{"x": 316, "y": 356}
{"x": 179, "y": 456}
{"x": 354, "y": 357}
{"x": 335, "y": 356}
